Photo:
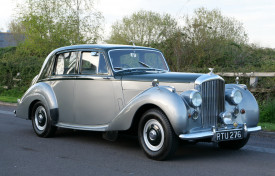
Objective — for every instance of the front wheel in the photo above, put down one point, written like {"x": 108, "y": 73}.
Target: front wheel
{"x": 235, "y": 144}
{"x": 41, "y": 121}
{"x": 156, "y": 135}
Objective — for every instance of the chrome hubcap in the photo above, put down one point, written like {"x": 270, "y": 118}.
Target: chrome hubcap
{"x": 40, "y": 118}
{"x": 153, "y": 135}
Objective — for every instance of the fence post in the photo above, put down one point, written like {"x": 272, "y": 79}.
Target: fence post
{"x": 253, "y": 81}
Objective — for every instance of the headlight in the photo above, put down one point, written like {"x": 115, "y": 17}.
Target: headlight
{"x": 235, "y": 96}
{"x": 195, "y": 98}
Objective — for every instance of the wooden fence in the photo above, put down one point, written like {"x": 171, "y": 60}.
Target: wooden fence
{"x": 253, "y": 79}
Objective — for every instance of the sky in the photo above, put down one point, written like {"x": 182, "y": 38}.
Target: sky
{"x": 257, "y": 16}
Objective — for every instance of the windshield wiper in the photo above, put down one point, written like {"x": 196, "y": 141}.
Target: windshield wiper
{"x": 118, "y": 68}
{"x": 122, "y": 70}
{"x": 148, "y": 66}
{"x": 145, "y": 65}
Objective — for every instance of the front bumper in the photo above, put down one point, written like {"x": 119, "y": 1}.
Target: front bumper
{"x": 212, "y": 133}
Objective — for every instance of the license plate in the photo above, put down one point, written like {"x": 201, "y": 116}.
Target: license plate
{"x": 229, "y": 135}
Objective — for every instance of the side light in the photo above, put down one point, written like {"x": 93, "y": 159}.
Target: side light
{"x": 236, "y": 111}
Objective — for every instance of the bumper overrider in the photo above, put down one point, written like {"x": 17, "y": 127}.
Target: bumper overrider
{"x": 216, "y": 135}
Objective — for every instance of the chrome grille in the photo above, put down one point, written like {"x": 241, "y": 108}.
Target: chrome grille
{"x": 212, "y": 101}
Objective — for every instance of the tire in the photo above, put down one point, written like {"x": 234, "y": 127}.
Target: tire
{"x": 41, "y": 121}
{"x": 235, "y": 144}
{"x": 156, "y": 135}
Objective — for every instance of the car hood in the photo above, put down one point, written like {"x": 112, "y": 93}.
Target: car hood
{"x": 134, "y": 84}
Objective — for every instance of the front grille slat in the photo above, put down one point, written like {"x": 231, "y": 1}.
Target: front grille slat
{"x": 212, "y": 102}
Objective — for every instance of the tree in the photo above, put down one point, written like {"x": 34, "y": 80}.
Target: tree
{"x": 143, "y": 28}
{"x": 209, "y": 39}
{"x": 48, "y": 24}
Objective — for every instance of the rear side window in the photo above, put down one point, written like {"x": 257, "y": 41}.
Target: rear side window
{"x": 47, "y": 71}
{"x": 66, "y": 63}
{"x": 93, "y": 63}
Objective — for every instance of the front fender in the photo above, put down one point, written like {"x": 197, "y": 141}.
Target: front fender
{"x": 38, "y": 92}
{"x": 168, "y": 101}
{"x": 249, "y": 104}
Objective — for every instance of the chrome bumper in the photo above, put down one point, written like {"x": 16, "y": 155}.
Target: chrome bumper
{"x": 212, "y": 133}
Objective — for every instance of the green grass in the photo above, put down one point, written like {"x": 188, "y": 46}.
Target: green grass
{"x": 8, "y": 99}
{"x": 267, "y": 126}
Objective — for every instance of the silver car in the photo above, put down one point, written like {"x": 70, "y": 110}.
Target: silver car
{"x": 112, "y": 88}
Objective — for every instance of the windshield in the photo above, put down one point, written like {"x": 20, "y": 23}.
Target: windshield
{"x": 124, "y": 59}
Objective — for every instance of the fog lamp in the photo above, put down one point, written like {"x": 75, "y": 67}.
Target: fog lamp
{"x": 195, "y": 115}
{"x": 226, "y": 117}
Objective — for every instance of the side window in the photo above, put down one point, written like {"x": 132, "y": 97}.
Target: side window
{"x": 65, "y": 63}
{"x": 48, "y": 68}
{"x": 93, "y": 63}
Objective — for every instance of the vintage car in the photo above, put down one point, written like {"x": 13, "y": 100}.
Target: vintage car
{"x": 112, "y": 88}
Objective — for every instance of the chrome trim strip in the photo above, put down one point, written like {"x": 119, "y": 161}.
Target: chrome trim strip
{"x": 209, "y": 134}
{"x": 83, "y": 127}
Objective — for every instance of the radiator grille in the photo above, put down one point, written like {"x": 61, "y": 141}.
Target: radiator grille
{"x": 212, "y": 102}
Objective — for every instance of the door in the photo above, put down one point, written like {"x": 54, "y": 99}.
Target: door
{"x": 62, "y": 82}
{"x": 94, "y": 91}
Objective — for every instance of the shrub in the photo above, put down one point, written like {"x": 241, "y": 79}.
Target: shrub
{"x": 268, "y": 111}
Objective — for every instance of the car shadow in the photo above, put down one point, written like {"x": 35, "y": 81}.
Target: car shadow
{"x": 186, "y": 151}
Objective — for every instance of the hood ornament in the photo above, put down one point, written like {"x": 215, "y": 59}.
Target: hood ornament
{"x": 237, "y": 80}
{"x": 211, "y": 71}
{"x": 133, "y": 43}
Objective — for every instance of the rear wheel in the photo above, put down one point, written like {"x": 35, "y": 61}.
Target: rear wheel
{"x": 156, "y": 135}
{"x": 41, "y": 121}
{"x": 235, "y": 144}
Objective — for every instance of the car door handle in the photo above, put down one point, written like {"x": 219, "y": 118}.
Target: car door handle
{"x": 106, "y": 78}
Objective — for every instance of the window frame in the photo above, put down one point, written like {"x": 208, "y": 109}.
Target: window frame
{"x": 48, "y": 68}
{"x": 104, "y": 57}
{"x": 53, "y": 73}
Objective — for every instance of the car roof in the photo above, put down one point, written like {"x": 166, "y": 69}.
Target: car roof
{"x": 101, "y": 46}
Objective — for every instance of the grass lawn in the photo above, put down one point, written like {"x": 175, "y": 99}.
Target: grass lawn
{"x": 8, "y": 99}
{"x": 267, "y": 126}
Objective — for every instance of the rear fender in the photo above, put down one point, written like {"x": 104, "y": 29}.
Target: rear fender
{"x": 38, "y": 92}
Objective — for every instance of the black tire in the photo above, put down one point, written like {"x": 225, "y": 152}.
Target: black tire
{"x": 156, "y": 135}
{"x": 41, "y": 121}
{"x": 235, "y": 144}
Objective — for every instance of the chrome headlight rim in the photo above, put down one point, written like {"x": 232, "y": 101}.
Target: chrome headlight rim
{"x": 236, "y": 96}
{"x": 195, "y": 98}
